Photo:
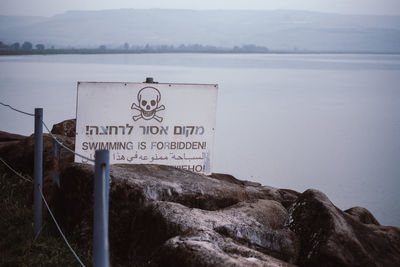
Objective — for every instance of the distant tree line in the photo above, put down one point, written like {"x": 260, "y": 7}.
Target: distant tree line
{"x": 29, "y": 48}
{"x": 25, "y": 46}
{"x": 194, "y": 48}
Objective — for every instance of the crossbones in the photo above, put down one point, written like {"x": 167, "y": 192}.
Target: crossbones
{"x": 148, "y": 98}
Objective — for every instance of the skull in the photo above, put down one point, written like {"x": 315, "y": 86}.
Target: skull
{"x": 148, "y": 99}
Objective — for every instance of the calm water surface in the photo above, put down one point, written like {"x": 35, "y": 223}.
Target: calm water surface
{"x": 330, "y": 122}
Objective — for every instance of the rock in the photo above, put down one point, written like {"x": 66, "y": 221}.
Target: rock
{"x": 362, "y": 215}
{"x": 20, "y": 155}
{"x": 288, "y": 197}
{"x": 227, "y": 177}
{"x": 331, "y": 237}
{"x": 257, "y": 225}
{"x": 164, "y": 183}
{"x": 6, "y": 137}
{"x": 165, "y": 210}
{"x": 155, "y": 203}
{"x": 207, "y": 248}
{"x": 65, "y": 128}
{"x": 163, "y": 216}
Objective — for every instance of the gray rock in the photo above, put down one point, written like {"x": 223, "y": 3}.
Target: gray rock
{"x": 362, "y": 215}
{"x": 150, "y": 204}
{"x": 331, "y": 237}
{"x": 207, "y": 248}
{"x": 66, "y": 128}
{"x": 257, "y": 225}
{"x": 163, "y": 216}
{"x": 157, "y": 182}
{"x": 6, "y": 137}
{"x": 21, "y": 153}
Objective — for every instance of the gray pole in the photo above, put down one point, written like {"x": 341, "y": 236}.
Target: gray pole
{"x": 100, "y": 217}
{"x": 149, "y": 80}
{"x": 38, "y": 172}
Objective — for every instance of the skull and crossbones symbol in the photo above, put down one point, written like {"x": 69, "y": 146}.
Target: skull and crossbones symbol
{"x": 148, "y": 99}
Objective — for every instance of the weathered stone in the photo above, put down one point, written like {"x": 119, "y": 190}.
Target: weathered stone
{"x": 207, "y": 248}
{"x": 6, "y": 137}
{"x": 163, "y": 216}
{"x": 157, "y": 182}
{"x": 257, "y": 225}
{"x": 362, "y": 215}
{"x": 156, "y": 203}
{"x": 66, "y": 128}
{"x": 331, "y": 237}
{"x": 288, "y": 197}
{"x": 21, "y": 153}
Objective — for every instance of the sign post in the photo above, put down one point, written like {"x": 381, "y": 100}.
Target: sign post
{"x": 148, "y": 123}
{"x": 100, "y": 214}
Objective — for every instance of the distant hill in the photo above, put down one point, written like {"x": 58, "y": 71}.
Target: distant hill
{"x": 278, "y": 30}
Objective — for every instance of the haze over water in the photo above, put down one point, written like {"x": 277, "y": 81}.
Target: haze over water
{"x": 330, "y": 122}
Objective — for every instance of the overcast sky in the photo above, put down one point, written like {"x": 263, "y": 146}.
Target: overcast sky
{"x": 52, "y": 7}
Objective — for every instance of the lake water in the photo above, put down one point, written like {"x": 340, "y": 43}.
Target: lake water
{"x": 330, "y": 122}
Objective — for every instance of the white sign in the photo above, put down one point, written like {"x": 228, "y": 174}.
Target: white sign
{"x": 147, "y": 123}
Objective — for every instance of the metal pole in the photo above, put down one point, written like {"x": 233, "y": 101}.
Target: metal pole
{"x": 149, "y": 80}
{"x": 38, "y": 172}
{"x": 100, "y": 218}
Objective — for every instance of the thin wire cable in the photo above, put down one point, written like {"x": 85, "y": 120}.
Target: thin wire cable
{"x": 14, "y": 171}
{"x": 61, "y": 144}
{"x": 59, "y": 229}
{"x": 67, "y": 148}
{"x": 51, "y": 213}
{"x": 20, "y": 111}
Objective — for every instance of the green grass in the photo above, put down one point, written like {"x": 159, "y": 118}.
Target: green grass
{"x": 18, "y": 246}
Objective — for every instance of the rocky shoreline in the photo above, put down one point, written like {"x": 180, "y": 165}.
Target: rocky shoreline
{"x": 163, "y": 216}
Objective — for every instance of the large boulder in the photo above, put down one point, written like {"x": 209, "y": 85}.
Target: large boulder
{"x": 7, "y": 137}
{"x": 362, "y": 215}
{"x": 18, "y": 151}
{"x": 331, "y": 237}
{"x": 156, "y": 211}
{"x": 21, "y": 154}
{"x": 150, "y": 204}
{"x": 256, "y": 225}
{"x": 65, "y": 128}
{"x": 208, "y": 248}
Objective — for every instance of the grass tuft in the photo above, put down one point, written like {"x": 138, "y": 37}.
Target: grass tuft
{"x": 17, "y": 244}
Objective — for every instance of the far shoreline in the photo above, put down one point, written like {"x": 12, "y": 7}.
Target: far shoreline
{"x": 119, "y": 51}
